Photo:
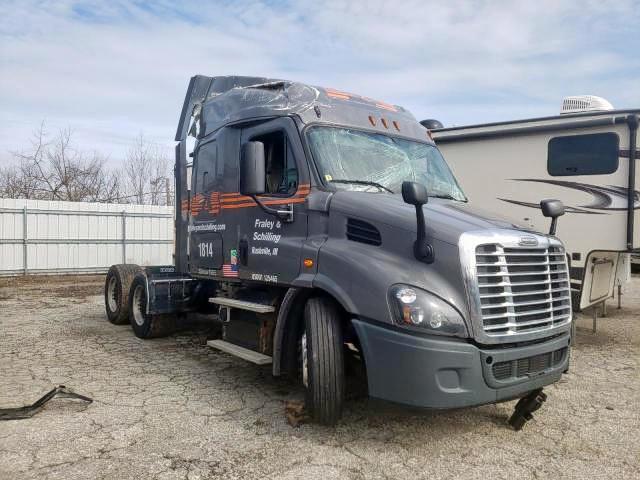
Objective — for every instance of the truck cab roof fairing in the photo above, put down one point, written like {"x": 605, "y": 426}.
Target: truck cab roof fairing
{"x": 218, "y": 101}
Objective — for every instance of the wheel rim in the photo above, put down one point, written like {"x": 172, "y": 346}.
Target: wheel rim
{"x": 305, "y": 366}
{"x": 137, "y": 306}
{"x": 112, "y": 298}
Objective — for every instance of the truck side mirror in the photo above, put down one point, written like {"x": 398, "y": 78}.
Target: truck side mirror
{"x": 416, "y": 194}
{"x": 552, "y": 209}
{"x": 252, "y": 169}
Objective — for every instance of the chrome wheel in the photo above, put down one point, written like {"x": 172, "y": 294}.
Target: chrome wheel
{"x": 112, "y": 299}
{"x": 138, "y": 305}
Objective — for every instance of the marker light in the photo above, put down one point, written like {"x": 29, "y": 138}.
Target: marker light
{"x": 308, "y": 262}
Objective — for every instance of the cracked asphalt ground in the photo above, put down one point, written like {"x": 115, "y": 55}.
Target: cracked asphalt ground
{"x": 174, "y": 408}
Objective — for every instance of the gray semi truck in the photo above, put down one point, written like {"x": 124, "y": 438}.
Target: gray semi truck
{"x": 320, "y": 226}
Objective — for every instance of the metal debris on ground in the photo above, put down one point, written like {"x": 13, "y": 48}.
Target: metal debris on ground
{"x": 19, "y": 413}
{"x": 295, "y": 412}
{"x": 525, "y": 407}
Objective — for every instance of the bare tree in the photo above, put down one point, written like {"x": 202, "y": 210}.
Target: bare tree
{"x": 55, "y": 170}
{"x": 147, "y": 173}
{"x": 19, "y": 181}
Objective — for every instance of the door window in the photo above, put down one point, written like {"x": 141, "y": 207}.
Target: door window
{"x": 594, "y": 154}
{"x": 280, "y": 166}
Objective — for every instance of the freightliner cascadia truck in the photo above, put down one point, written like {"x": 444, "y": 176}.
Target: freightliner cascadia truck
{"x": 318, "y": 225}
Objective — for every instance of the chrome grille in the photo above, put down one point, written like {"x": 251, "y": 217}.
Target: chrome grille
{"x": 522, "y": 289}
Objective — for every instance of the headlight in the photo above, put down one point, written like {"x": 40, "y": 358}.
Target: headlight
{"x": 422, "y": 311}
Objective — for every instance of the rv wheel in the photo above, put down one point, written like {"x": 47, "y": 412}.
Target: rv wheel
{"x": 146, "y": 325}
{"x": 116, "y": 292}
{"x": 323, "y": 361}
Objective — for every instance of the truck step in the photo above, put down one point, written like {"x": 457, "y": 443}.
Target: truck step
{"x": 241, "y": 352}
{"x": 243, "y": 305}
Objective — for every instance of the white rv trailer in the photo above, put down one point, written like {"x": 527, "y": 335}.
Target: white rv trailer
{"x": 586, "y": 157}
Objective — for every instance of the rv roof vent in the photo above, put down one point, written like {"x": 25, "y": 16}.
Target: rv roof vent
{"x": 584, "y": 103}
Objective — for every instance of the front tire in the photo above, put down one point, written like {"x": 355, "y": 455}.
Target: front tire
{"x": 323, "y": 360}
{"x": 146, "y": 325}
{"x": 116, "y": 292}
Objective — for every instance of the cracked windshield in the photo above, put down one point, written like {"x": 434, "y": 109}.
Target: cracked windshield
{"x": 363, "y": 161}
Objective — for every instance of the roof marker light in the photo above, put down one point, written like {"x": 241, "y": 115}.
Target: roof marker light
{"x": 372, "y": 121}
{"x": 384, "y": 122}
{"x": 395, "y": 124}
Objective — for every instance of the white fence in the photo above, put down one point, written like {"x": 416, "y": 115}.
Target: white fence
{"x": 71, "y": 237}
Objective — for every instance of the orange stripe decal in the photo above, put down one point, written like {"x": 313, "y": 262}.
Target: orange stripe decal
{"x": 214, "y": 202}
{"x": 337, "y": 94}
{"x": 386, "y": 106}
{"x": 264, "y": 202}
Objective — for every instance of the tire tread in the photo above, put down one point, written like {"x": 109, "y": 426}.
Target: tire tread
{"x": 155, "y": 325}
{"x": 125, "y": 274}
{"x": 324, "y": 337}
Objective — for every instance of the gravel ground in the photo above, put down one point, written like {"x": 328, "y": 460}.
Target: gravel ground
{"x": 173, "y": 408}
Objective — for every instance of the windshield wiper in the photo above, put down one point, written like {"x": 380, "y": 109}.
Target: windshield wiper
{"x": 446, "y": 196}
{"x": 363, "y": 182}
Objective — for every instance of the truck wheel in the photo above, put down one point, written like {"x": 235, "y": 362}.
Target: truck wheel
{"x": 146, "y": 325}
{"x": 116, "y": 292}
{"x": 323, "y": 360}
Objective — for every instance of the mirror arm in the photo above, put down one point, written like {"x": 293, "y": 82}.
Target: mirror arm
{"x": 552, "y": 229}
{"x": 422, "y": 250}
{"x": 284, "y": 215}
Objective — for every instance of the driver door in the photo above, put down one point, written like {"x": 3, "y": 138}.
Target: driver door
{"x": 269, "y": 249}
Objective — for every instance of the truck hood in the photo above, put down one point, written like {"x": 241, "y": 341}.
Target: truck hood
{"x": 446, "y": 219}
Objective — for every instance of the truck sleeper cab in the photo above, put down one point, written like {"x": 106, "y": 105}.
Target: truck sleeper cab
{"x": 320, "y": 224}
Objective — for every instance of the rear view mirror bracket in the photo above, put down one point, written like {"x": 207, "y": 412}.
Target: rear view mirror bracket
{"x": 552, "y": 209}
{"x": 416, "y": 194}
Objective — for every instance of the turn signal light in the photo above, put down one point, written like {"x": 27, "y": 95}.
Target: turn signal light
{"x": 308, "y": 262}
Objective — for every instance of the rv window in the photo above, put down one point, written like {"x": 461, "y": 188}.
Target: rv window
{"x": 595, "y": 154}
{"x": 282, "y": 174}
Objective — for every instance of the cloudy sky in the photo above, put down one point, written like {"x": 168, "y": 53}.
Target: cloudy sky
{"x": 111, "y": 70}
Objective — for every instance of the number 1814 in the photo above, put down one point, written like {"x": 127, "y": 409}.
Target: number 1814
{"x": 206, "y": 249}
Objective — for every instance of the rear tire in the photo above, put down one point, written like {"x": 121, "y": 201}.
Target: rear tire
{"x": 323, "y": 360}
{"x": 146, "y": 325}
{"x": 116, "y": 292}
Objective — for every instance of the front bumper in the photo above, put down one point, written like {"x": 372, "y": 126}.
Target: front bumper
{"x": 434, "y": 372}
